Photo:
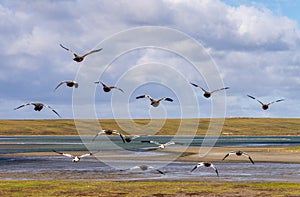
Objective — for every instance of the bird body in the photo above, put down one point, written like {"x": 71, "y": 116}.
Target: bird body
{"x": 38, "y": 107}
{"x": 154, "y": 102}
{"x": 79, "y": 58}
{"x": 108, "y": 88}
{"x": 207, "y": 94}
{"x": 265, "y": 106}
{"x": 76, "y": 158}
{"x": 128, "y": 138}
{"x": 206, "y": 164}
{"x": 239, "y": 153}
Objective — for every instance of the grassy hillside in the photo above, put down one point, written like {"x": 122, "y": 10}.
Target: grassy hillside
{"x": 232, "y": 126}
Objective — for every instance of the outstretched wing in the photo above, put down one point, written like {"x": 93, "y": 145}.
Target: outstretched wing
{"x": 59, "y": 85}
{"x": 116, "y": 88}
{"x": 256, "y": 99}
{"x": 198, "y": 87}
{"x": 220, "y": 89}
{"x": 53, "y": 110}
{"x": 22, "y": 106}
{"x": 68, "y": 49}
{"x": 123, "y": 138}
{"x": 166, "y": 99}
{"x": 197, "y": 166}
{"x": 152, "y": 142}
{"x": 159, "y": 171}
{"x": 94, "y": 51}
{"x": 216, "y": 170}
{"x": 275, "y": 101}
{"x": 85, "y": 155}
{"x": 64, "y": 154}
{"x": 246, "y": 154}
{"x": 169, "y": 143}
{"x": 232, "y": 152}
{"x": 142, "y": 96}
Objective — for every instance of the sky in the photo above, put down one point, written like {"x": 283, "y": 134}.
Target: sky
{"x": 150, "y": 47}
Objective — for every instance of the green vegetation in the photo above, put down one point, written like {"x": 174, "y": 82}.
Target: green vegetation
{"x": 139, "y": 188}
{"x": 232, "y": 126}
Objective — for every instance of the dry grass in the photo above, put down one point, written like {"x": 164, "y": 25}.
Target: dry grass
{"x": 139, "y": 188}
{"x": 232, "y": 126}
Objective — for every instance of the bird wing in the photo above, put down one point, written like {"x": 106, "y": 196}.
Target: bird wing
{"x": 122, "y": 137}
{"x": 116, "y": 132}
{"x": 166, "y": 99}
{"x": 159, "y": 171}
{"x": 220, "y": 89}
{"x": 94, "y": 51}
{"x": 197, "y": 166}
{"x": 135, "y": 136}
{"x": 85, "y": 155}
{"x": 246, "y": 154}
{"x": 99, "y": 133}
{"x": 198, "y": 87}
{"x": 232, "y": 152}
{"x": 68, "y": 49}
{"x": 150, "y": 141}
{"x": 22, "y": 106}
{"x": 149, "y": 97}
{"x": 64, "y": 154}
{"x": 59, "y": 84}
{"x": 275, "y": 101}
{"x": 169, "y": 143}
{"x": 53, "y": 110}
{"x": 142, "y": 96}
{"x": 116, "y": 88}
{"x": 216, "y": 170}
{"x": 256, "y": 99}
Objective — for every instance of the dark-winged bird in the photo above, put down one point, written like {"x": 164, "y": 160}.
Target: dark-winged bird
{"x": 154, "y": 102}
{"x": 265, "y": 106}
{"x": 207, "y": 94}
{"x": 78, "y": 58}
{"x": 38, "y": 107}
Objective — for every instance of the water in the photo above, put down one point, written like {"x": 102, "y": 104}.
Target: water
{"x": 59, "y": 167}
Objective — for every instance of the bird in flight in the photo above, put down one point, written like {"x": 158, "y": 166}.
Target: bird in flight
{"x": 108, "y": 88}
{"x": 145, "y": 168}
{"x": 38, "y": 107}
{"x": 108, "y": 132}
{"x": 75, "y": 159}
{"x": 68, "y": 83}
{"x": 206, "y": 164}
{"x": 78, "y": 58}
{"x": 239, "y": 153}
{"x": 155, "y": 103}
{"x": 207, "y": 94}
{"x": 265, "y": 106}
{"x": 159, "y": 145}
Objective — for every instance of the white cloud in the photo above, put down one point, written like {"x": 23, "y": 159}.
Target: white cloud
{"x": 256, "y": 50}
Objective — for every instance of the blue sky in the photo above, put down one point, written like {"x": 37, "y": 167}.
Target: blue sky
{"x": 254, "y": 45}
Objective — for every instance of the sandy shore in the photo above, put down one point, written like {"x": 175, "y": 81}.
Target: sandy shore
{"x": 258, "y": 154}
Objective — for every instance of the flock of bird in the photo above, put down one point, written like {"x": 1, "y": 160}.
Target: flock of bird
{"x": 153, "y": 102}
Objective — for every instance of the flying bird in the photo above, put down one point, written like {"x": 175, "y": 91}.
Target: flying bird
{"x": 207, "y": 94}
{"x": 159, "y": 145}
{"x": 108, "y": 88}
{"x": 239, "y": 153}
{"x": 107, "y": 132}
{"x": 265, "y": 106}
{"x": 68, "y": 83}
{"x": 128, "y": 139}
{"x": 206, "y": 164}
{"x": 145, "y": 168}
{"x": 75, "y": 159}
{"x": 78, "y": 58}
{"x": 38, "y": 107}
{"x": 155, "y": 103}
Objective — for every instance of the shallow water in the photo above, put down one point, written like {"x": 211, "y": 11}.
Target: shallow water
{"x": 113, "y": 159}
{"x": 58, "y": 167}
